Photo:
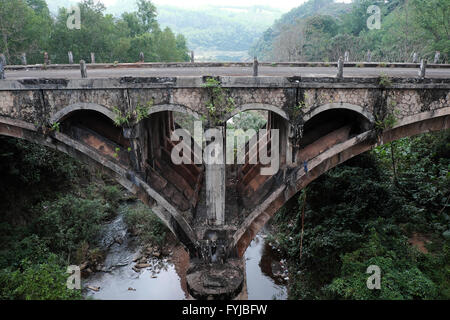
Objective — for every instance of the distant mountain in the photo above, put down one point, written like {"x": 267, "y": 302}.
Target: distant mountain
{"x": 219, "y": 33}
{"x": 263, "y": 47}
{"x": 214, "y": 32}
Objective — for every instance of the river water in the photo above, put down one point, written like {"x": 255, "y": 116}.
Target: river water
{"x": 164, "y": 279}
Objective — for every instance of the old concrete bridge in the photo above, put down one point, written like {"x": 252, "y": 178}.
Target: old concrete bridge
{"x": 323, "y": 121}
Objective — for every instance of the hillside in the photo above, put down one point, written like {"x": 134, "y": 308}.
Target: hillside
{"x": 263, "y": 46}
{"x": 321, "y": 30}
{"x": 219, "y": 33}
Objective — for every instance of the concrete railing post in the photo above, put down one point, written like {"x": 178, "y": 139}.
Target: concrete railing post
{"x": 423, "y": 68}
{"x": 414, "y": 59}
{"x": 83, "y": 69}
{"x": 369, "y": 56}
{"x": 141, "y": 57}
{"x": 46, "y": 60}
{"x": 192, "y": 57}
{"x": 255, "y": 67}
{"x": 2, "y": 70}
{"x": 340, "y": 73}
{"x": 92, "y": 57}
{"x": 70, "y": 54}
{"x": 24, "y": 59}
{"x": 437, "y": 56}
{"x": 3, "y": 59}
{"x": 346, "y": 56}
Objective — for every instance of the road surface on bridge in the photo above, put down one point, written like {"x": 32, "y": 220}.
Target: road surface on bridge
{"x": 225, "y": 71}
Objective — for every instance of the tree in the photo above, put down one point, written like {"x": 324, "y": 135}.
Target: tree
{"x": 147, "y": 14}
{"x": 23, "y": 29}
{"x": 433, "y": 17}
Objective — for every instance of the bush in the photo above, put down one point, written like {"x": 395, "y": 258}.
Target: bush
{"x": 69, "y": 221}
{"x": 146, "y": 225}
{"x": 400, "y": 277}
{"x": 44, "y": 281}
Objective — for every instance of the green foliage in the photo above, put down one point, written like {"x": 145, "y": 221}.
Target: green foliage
{"x": 142, "y": 111}
{"x": 55, "y": 127}
{"x": 132, "y": 117}
{"x": 42, "y": 281}
{"x": 406, "y": 27}
{"x": 400, "y": 277}
{"x": 146, "y": 225}
{"x": 384, "y": 80}
{"x": 220, "y": 101}
{"x": 27, "y": 26}
{"x": 362, "y": 213}
{"x": 50, "y": 213}
{"x": 67, "y": 222}
{"x": 122, "y": 119}
{"x": 112, "y": 194}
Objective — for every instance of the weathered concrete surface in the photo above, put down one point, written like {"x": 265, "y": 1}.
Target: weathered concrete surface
{"x": 215, "y": 281}
{"x": 323, "y": 121}
{"x": 245, "y": 70}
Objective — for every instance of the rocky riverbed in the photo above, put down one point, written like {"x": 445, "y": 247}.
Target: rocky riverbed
{"x": 131, "y": 271}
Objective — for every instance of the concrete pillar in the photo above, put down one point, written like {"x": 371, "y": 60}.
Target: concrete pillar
{"x": 437, "y": 56}
{"x": 2, "y": 70}
{"x": 192, "y": 57}
{"x": 340, "y": 73}
{"x": 46, "y": 60}
{"x": 255, "y": 67}
{"x": 141, "y": 57}
{"x": 83, "y": 69}
{"x": 369, "y": 56}
{"x": 423, "y": 68}
{"x": 92, "y": 57}
{"x": 70, "y": 54}
{"x": 3, "y": 59}
{"x": 346, "y": 56}
{"x": 215, "y": 177}
{"x": 414, "y": 59}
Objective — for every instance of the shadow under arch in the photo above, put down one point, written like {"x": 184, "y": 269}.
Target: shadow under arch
{"x": 66, "y": 111}
{"x": 336, "y": 106}
{"x": 425, "y": 122}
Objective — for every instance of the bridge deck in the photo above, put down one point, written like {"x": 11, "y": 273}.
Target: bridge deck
{"x": 224, "y": 71}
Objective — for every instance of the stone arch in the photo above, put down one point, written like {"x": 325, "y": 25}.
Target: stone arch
{"x": 66, "y": 111}
{"x": 117, "y": 171}
{"x": 334, "y": 106}
{"x": 256, "y": 106}
{"x": 430, "y": 121}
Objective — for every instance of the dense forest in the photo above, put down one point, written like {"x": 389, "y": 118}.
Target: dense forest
{"x": 322, "y": 30}
{"x": 26, "y": 26}
{"x": 389, "y": 207}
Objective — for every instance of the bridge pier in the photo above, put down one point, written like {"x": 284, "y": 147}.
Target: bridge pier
{"x": 215, "y": 176}
{"x": 216, "y": 281}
